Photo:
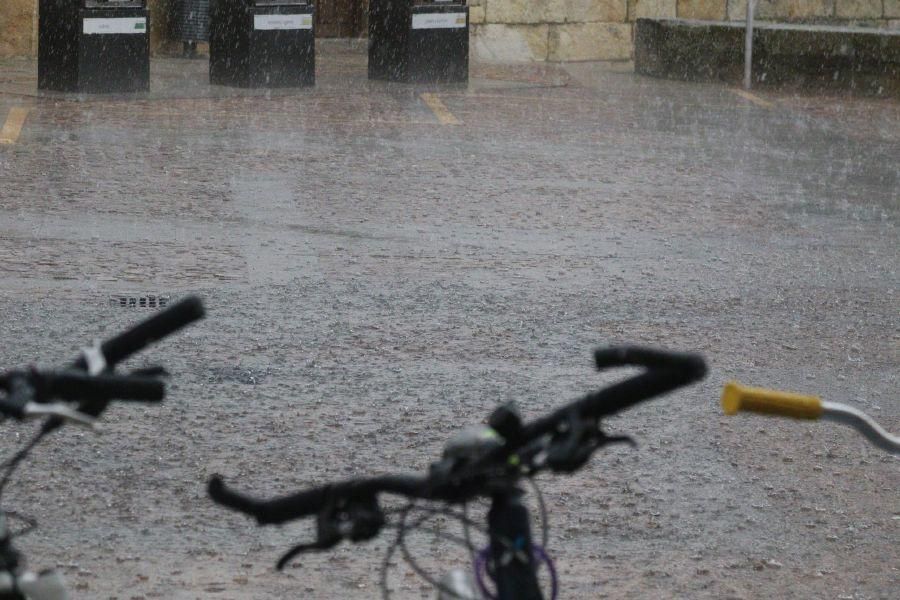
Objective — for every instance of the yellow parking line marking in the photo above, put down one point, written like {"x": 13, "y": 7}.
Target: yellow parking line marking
{"x": 440, "y": 111}
{"x": 13, "y": 125}
{"x": 752, "y": 98}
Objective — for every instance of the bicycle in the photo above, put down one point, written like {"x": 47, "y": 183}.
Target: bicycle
{"x": 737, "y": 398}
{"x": 487, "y": 461}
{"x": 90, "y": 380}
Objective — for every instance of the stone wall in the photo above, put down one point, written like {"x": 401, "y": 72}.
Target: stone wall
{"x": 18, "y": 22}
{"x": 572, "y": 30}
{"x": 555, "y": 30}
{"x": 538, "y": 30}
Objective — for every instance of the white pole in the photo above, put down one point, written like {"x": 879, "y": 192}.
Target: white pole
{"x": 748, "y": 44}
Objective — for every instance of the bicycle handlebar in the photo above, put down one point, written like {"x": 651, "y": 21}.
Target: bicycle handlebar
{"x": 30, "y": 393}
{"x": 72, "y": 386}
{"x": 76, "y": 385}
{"x": 163, "y": 323}
{"x": 651, "y": 358}
{"x": 737, "y": 398}
{"x": 665, "y": 372}
{"x": 130, "y": 341}
{"x": 309, "y": 502}
{"x": 89, "y": 380}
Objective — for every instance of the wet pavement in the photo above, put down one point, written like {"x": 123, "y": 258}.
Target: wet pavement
{"x": 378, "y": 276}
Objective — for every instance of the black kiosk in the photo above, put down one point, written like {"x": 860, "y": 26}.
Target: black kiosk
{"x": 419, "y": 40}
{"x": 93, "y": 46}
{"x": 262, "y": 43}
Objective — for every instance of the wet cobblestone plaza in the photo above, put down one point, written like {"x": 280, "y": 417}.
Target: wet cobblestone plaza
{"x": 384, "y": 263}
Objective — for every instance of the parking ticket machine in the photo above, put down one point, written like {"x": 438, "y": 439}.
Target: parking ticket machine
{"x": 93, "y": 46}
{"x": 262, "y": 43}
{"x": 419, "y": 40}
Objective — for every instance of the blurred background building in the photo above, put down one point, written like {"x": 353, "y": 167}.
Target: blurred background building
{"x": 506, "y": 30}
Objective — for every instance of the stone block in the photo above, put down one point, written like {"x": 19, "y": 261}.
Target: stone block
{"x": 17, "y": 27}
{"x": 586, "y": 11}
{"x": 737, "y": 10}
{"x": 794, "y": 9}
{"x": 160, "y": 14}
{"x": 509, "y": 43}
{"x": 858, "y": 9}
{"x": 651, "y": 9}
{"x": 525, "y": 11}
{"x": 476, "y": 15}
{"x": 891, "y": 9}
{"x": 704, "y": 10}
{"x": 590, "y": 41}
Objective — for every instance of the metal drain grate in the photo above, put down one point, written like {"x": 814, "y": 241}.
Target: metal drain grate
{"x": 136, "y": 301}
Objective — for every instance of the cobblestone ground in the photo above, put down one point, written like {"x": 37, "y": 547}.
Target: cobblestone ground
{"x": 377, "y": 278}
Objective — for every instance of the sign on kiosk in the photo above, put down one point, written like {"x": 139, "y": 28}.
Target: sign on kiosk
{"x": 126, "y": 25}
{"x": 283, "y": 22}
{"x": 439, "y": 21}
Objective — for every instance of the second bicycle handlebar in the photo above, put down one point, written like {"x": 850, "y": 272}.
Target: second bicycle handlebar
{"x": 77, "y": 385}
{"x": 135, "y": 339}
{"x": 90, "y": 380}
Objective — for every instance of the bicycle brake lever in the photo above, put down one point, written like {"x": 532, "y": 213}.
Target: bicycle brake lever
{"x": 20, "y": 404}
{"x": 301, "y": 548}
{"x": 352, "y": 519}
{"x": 328, "y": 534}
{"x": 33, "y": 409}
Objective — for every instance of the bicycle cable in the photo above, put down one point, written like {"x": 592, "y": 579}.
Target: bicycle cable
{"x": 408, "y": 558}
{"x": 11, "y": 464}
{"x": 403, "y": 528}
{"x": 30, "y": 523}
{"x": 399, "y": 542}
{"x": 545, "y": 516}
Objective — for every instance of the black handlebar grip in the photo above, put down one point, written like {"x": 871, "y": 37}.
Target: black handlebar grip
{"x": 268, "y": 512}
{"x": 692, "y": 366}
{"x": 80, "y": 386}
{"x": 145, "y": 333}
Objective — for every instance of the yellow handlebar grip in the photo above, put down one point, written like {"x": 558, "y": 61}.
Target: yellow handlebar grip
{"x": 736, "y": 397}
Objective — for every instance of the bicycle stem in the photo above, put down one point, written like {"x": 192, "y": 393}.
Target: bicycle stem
{"x": 514, "y": 567}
